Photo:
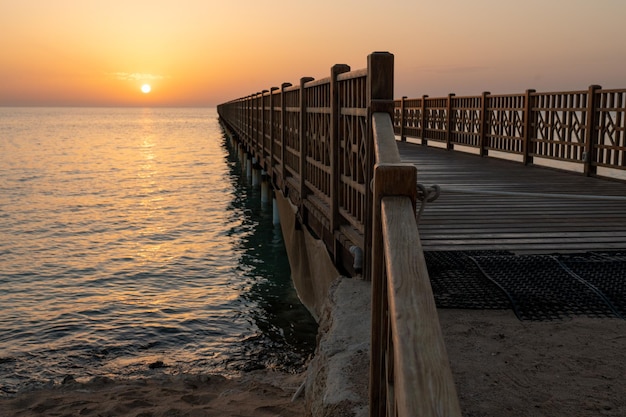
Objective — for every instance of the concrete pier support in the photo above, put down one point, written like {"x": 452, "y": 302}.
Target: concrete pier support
{"x": 256, "y": 176}
{"x": 248, "y": 168}
{"x": 242, "y": 156}
{"x": 275, "y": 214}
{"x": 265, "y": 191}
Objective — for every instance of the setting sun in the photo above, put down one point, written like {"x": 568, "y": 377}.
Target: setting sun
{"x": 146, "y": 88}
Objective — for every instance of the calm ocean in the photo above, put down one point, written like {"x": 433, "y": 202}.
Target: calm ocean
{"x": 131, "y": 245}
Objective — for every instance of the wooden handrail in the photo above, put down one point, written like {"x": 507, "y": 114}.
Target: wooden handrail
{"x": 421, "y": 375}
{"x": 409, "y": 372}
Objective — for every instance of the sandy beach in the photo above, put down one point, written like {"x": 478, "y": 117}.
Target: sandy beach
{"x": 502, "y": 367}
{"x": 506, "y": 367}
{"x": 257, "y": 393}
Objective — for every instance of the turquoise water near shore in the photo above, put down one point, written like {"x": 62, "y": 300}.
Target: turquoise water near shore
{"x": 131, "y": 244}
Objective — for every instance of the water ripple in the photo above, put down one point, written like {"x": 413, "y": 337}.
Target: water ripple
{"x": 129, "y": 236}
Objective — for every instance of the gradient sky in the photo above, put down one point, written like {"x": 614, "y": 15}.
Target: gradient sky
{"x": 204, "y": 52}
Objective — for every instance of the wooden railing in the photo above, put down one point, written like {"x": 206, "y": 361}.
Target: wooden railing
{"x": 585, "y": 129}
{"x": 321, "y": 144}
{"x": 311, "y": 139}
{"x": 410, "y": 373}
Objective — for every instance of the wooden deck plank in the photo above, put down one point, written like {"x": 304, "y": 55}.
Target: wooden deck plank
{"x": 491, "y": 204}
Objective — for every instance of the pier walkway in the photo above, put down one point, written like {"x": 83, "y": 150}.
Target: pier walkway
{"x": 567, "y": 230}
{"x": 494, "y": 204}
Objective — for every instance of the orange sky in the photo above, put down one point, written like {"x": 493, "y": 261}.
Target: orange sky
{"x": 204, "y": 52}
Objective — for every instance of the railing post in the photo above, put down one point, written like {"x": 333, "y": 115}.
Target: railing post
{"x": 262, "y": 154}
{"x": 270, "y": 168}
{"x": 527, "y": 140}
{"x": 449, "y": 121}
{"x": 283, "y": 135}
{"x": 302, "y": 138}
{"x": 249, "y": 104}
{"x": 484, "y": 123}
{"x": 591, "y": 135}
{"x": 402, "y": 119}
{"x": 379, "y": 99}
{"x": 255, "y": 139}
{"x": 389, "y": 180}
{"x": 335, "y": 174}
{"x": 424, "y": 120}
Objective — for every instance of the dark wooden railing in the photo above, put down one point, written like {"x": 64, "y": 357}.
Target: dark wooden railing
{"x": 584, "y": 129}
{"x": 329, "y": 146}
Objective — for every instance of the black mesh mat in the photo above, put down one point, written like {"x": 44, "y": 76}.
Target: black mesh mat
{"x": 536, "y": 287}
{"x": 457, "y": 281}
{"x": 606, "y": 272}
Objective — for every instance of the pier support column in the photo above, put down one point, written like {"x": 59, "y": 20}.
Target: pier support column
{"x": 265, "y": 190}
{"x": 275, "y": 215}
{"x": 256, "y": 173}
{"x": 242, "y": 156}
{"x": 248, "y": 168}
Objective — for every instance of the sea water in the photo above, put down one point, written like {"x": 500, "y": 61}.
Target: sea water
{"x": 131, "y": 244}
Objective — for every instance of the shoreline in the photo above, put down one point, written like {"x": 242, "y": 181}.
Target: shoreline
{"x": 255, "y": 393}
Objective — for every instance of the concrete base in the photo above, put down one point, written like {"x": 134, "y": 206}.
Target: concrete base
{"x": 338, "y": 375}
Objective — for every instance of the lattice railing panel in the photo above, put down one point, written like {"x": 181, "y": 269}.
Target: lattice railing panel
{"x": 292, "y": 132}
{"x": 353, "y": 150}
{"x": 318, "y": 154}
{"x": 413, "y": 117}
{"x": 610, "y": 149}
{"x": 317, "y": 137}
{"x": 505, "y": 123}
{"x": 560, "y": 125}
{"x": 352, "y": 169}
{"x": 466, "y": 121}
{"x": 276, "y": 128}
{"x": 436, "y": 119}
{"x": 267, "y": 127}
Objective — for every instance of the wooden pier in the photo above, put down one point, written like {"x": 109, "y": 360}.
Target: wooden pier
{"x": 329, "y": 147}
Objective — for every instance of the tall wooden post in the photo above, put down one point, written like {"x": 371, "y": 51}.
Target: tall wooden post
{"x": 591, "y": 130}
{"x": 449, "y": 122}
{"x": 527, "y": 138}
{"x": 283, "y": 136}
{"x": 335, "y": 175}
{"x": 270, "y": 167}
{"x": 302, "y": 137}
{"x": 402, "y": 119}
{"x": 484, "y": 123}
{"x": 379, "y": 99}
{"x": 263, "y": 153}
{"x": 424, "y": 120}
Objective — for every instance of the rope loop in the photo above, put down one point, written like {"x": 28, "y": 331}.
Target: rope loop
{"x": 426, "y": 195}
